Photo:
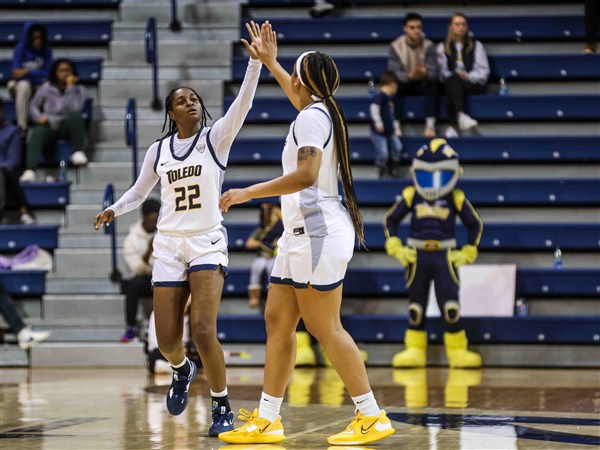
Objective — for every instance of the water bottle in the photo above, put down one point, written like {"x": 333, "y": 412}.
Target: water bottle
{"x": 62, "y": 173}
{"x": 503, "y": 87}
{"x": 372, "y": 88}
{"x": 557, "y": 259}
{"x": 521, "y": 308}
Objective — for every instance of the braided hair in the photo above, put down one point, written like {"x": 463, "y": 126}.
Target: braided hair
{"x": 319, "y": 74}
{"x": 169, "y": 107}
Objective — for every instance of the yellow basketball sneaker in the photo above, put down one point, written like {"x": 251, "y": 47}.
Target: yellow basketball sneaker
{"x": 364, "y": 429}
{"x": 257, "y": 430}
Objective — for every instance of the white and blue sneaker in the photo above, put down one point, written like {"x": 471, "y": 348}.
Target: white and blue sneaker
{"x": 177, "y": 397}
{"x": 222, "y": 421}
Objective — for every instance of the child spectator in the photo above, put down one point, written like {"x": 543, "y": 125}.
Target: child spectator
{"x": 464, "y": 70}
{"x": 56, "y": 109}
{"x": 385, "y": 130}
{"x": 413, "y": 59}
{"x": 31, "y": 62}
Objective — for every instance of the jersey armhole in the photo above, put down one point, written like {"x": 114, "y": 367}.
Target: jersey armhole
{"x": 212, "y": 152}
{"x": 157, "y": 156}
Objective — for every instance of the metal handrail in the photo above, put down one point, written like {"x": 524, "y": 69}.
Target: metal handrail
{"x": 152, "y": 58}
{"x": 131, "y": 135}
{"x": 109, "y": 199}
{"x": 175, "y": 24}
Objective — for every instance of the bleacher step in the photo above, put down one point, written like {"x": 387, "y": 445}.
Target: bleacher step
{"x": 75, "y": 306}
{"x": 142, "y": 71}
{"x": 67, "y": 285}
{"x": 128, "y": 53}
{"x": 210, "y": 14}
{"x": 211, "y": 92}
{"x": 88, "y": 354}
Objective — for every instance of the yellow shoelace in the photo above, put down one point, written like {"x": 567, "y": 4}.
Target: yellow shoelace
{"x": 246, "y": 415}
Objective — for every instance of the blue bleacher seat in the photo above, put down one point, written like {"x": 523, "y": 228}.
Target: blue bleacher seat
{"x": 496, "y": 236}
{"x": 60, "y": 3}
{"x": 485, "y": 107}
{"x": 537, "y": 149}
{"x": 481, "y": 330}
{"x": 46, "y": 195}
{"x": 17, "y": 237}
{"x": 510, "y": 67}
{"x": 389, "y": 283}
{"x": 386, "y": 29}
{"x": 67, "y": 32}
{"x": 89, "y": 69}
{"x": 24, "y": 283}
{"x": 505, "y": 192}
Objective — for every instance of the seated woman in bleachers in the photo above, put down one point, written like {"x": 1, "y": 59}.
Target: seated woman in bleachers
{"x": 56, "y": 109}
{"x": 464, "y": 70}
{"x": 10, "y": 162}
{"x": 31, "y": 62}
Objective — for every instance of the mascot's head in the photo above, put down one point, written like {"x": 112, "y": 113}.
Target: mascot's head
{"x": 435, "y": 169}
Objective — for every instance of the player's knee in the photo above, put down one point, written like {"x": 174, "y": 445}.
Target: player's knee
{"x": 415, "y": 315}
{"x": 451, "y": 311}
{"x": 203, "y": 334}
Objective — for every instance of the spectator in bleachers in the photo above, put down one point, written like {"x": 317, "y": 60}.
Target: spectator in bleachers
{"x": 314, "y": 251}
{"x": 10, "y": 160}
{"x": 592, "y": 20}
{"x": 137, "y": 251}
{"x": 430, "y": 253}
{"x": 56, "y": 108}
{"x": 31, "y": 61}
{"x": 385, "y": 130}
{"x": 413, "y": 59}
{"x": 264, "y": 239}
{"x": 190, "y": 246}
{"x": 322, "y": 8}
{"x": 464, "y": 70}
{"x": 25, "y": 335}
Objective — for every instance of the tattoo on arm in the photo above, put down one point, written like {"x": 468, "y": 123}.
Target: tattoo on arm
{"x": 306, "y": 152}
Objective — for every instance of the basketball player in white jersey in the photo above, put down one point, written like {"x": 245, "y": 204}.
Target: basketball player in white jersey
{"x": 190, "y": 247}
{"x": 315, "y": 248}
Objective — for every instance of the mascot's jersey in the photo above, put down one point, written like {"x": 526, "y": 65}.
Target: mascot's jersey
{"x": 434, "y": 220}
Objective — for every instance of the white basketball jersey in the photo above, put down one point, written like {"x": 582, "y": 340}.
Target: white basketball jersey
{"x": 316, "y": 210}
{"x": 190, "y": 185}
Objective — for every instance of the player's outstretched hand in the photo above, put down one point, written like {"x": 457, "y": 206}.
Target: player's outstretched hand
{"x": 263, "y": 42}
{"x": 103, "y": 218}
{"x": 233, "y": 197}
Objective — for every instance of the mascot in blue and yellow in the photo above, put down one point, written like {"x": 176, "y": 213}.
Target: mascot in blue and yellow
{"x": 430, "y": 251}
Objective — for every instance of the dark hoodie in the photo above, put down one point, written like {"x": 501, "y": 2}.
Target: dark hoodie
{"x": 38, "y": 62}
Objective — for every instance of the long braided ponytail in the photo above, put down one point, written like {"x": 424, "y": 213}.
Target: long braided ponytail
{"x": 321, "y": 77}
{"x": 169, "y": 107}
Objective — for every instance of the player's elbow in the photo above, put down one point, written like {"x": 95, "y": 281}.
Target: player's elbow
{"x": 306, "y": 178}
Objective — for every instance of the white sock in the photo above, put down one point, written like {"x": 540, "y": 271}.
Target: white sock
{"x": 366, "y": 404}
{"x": 177, "y": 366}
{"x": 269, "y": 406}
{"x": 430, "y": 122}
{"x": 223, "y": 393}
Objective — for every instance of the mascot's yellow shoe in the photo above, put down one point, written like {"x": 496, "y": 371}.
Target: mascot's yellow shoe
{"x": 415, "y": 353}
{"x": 257, "y": 430}
{"x": 364, "y": 429}
{"x": 305, "y": 355}
{"x": 456, "y": 394}
{"x": 415, "y": 386}
{"x": 457, "y": 353}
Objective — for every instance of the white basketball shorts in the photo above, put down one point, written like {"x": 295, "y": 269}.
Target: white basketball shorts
{"x": 320, "y": 261}
{"x": 175, "y": 257}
